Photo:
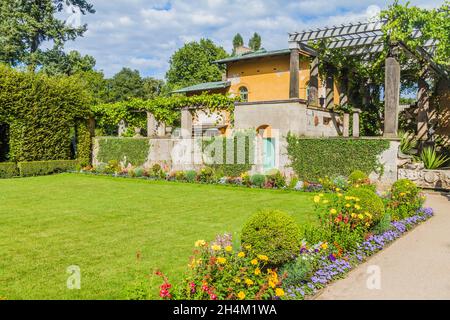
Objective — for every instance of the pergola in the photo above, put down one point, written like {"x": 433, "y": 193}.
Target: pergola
{"x": 364, "y": 39}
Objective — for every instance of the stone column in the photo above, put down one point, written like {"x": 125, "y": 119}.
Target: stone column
{"x": 151, "y": 124}
{"x": 161, "y": 131}
{"x": 294, "y": 83}
{"x": 329, "y": 92}
{"x": 314, "y": 83}
{"x": 423, "y": 106}
{"x": 355, "y": 130}
{"x": 346, "y": 129}
{"x": 186, "y": 123}
{"x": 123, "y": 127}
{"x": 392, "y": 96}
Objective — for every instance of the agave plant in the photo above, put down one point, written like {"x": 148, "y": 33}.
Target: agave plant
{"x": 407, "y": 143}
{"x": 431, "y": 159}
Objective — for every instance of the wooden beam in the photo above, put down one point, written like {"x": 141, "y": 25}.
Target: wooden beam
{"x": 294, "y": 83}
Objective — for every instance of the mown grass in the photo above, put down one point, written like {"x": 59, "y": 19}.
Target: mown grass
{"x": 102, "y": 224}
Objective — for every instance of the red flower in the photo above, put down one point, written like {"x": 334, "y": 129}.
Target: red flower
{"x": 213, "y": 296}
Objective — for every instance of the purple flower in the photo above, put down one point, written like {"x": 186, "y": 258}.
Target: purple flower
{"x": 332, "y": 257}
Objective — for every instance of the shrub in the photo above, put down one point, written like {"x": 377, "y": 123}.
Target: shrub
{"x": 112, "y": 167}
{"x": 369, "y": 202}
{"x": 129, "y": 150}
{"x": 405, "y": 199}
{"x": 314, "y": 158}
{"x": 180, "y": 176}
{"x": 246, "y": 179}
{"x": 139, "y": 172}
{"x": 38, "y": 168}
{"x": 293, "y": 183}
{"x": 340, "y": 182}
{"x": 206, "y": 175}
{"x": 258, "y": 180}
{"x": 157, "y": 172}
{"x": 273, "y": 233}
{"x": 191, "y": 176}
{"x": 298, "y": 271}
{"x": 384, "y": 224}
{"x": 432, "y": 160}
{"x": 358, "y": 177}
{"x": 8, "y": 170}
{"x": 276, "y": 180}
{"x": 220, "y": 273}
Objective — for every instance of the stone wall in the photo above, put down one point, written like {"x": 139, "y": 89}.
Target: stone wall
{"x": 428, "y": 179}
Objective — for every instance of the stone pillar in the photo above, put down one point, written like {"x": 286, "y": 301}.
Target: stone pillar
{"x": 123, "y": 127}
{"x": 186, "y": 123}
{"x": 423, "y": 106}
{"x": 346, "y": 129}
{"x": 314, "y": 83}
{"x": 294, "y": 83}
{"x": 329, "y": 92}
{"x": 161, "y": 131}
{"x": 392, "y": 97}
{"x": 151, "y": 124}
{"x": 355, "y": 130}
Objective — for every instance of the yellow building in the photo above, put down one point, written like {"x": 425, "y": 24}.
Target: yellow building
{"x": 264, "y": 76}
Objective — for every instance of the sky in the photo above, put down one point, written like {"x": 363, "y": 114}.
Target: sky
{"x": 143, "y": 34}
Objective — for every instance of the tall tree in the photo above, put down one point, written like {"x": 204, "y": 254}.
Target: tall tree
{"x": 56, "y": 62}
{"x": 152, "y": 87}
{"x": 126, "y": 84}
{"x": 255, "y": 42}
{"x": 25, "y": 25}
{"x": 193, "y": 64}
{"x": 238, "y": 41}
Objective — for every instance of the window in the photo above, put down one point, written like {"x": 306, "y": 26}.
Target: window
{"x": 243, "y": 91}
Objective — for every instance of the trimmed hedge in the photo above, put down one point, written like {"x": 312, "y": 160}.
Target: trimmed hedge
{"x": 134, "y": 150}
{"x": 8, "y": 170}
{"x": 312, "y": 159}
{"x": 39, "y": 168}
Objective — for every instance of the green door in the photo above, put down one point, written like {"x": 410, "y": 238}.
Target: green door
{"x": 269, "y": 153}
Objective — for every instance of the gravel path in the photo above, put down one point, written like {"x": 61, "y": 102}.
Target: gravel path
{"x": 416, "y": 266}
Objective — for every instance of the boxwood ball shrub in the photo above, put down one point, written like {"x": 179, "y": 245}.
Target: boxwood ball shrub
{"x": 191, "y": 176}
{"x": 369, "y": 201}
{"x": 405, "y": 191}
{"x": 357, "y": 176}
{"x": 258, "y": 180}
{"x": 272, "y": 233}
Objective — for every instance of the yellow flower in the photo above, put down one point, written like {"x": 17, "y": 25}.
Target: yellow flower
{"x": 221, "y": 260}
{"x": 402, "y": 194}
{"x": 337, "y": 189}
{"x": 257, "y": 271}
{"x": 368, "y": 215}
{"x": 254, "y": 262}
{"x": 333, "y": 211}
{"x": 325, "y": 201}
{"x": 279, "y": 292}
{"x": 263, "y": 257}
{"x": 216, "y": 247}
{"x": 357, "y": 207}
{"x": 249, "y": 282}
{"x": 241, "y": 254}
{"x": 237, "y": 280}
{"x": 200, "y": 243}
{"x": 354, "y": 215}
{"x": 348, "y": 198}
{"x": 228, "y": 248}
{"x": 321, "y": 195}
{"x": 241, "y": 295}
{"x": 324, "y": 246}
{"x": 339, "y": 195}
{"x": 360, "y": 216}
{"x": 357, "y": 199}
{"x": 272, "y": 284}
{"x": 367, "y": 224}
{"x": 316, "y": 199}
{"x": 248, "y": 246}
{"x": 348, "y": 205}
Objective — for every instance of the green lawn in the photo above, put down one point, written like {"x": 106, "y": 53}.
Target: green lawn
{"x": 100, "y": 223}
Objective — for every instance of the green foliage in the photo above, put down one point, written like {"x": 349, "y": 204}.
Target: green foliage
{"x": 84, "y": 144}
{"x": 57, "y": 62}
{"x": 384, "y": 224}
{"x": 272, "y": 233}
{"x": 26, "y": 25}
{"x": 139, "y": 172}
{"x": 206, "y": 175}
{"x": 357, "y": 177}
{"x": 193, "y": 64}
{"x": 405, "y": 199}
{"x": 315, "y": 158}
{"x": 407, "y": 142}
{"x": 40, "y": 168}
{"x": 40, "y": 111}
{"x": 8, "y": 170}
{"x": 432, "y": 160}
{"x": 255, "y": 42}
{"x": 129, "y": 150}
{"x": 369, "y": 202}
{"x": 191, "y": 176}
{"x": 258, "y": 180}
{"x": 238, "y": 41}
{"x": 276, "y": 180}
{"x": 299, "y": 270}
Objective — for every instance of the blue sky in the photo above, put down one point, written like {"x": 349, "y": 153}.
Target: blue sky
{"x": 143, "y": 34}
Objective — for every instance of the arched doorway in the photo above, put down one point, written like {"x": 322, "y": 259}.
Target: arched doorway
{"x": 268, "y": 147}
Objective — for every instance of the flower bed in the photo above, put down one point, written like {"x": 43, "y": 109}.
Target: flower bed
{"x": 332, "y": 268}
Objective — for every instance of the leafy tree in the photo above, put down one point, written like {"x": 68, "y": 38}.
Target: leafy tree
{"x": 96, "y": 86}
{"x": 238, "y": 41}
{"x": 193, "y": 64}
{"x": 255, "y": 42}
{"x": 57, "y": 62}
{"x": 126, "y": 84}
{"x": 152, "y": 88}
{"x": 27, "y": 24}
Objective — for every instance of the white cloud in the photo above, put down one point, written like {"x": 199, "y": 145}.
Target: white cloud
{"x": 143, "y": 34}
